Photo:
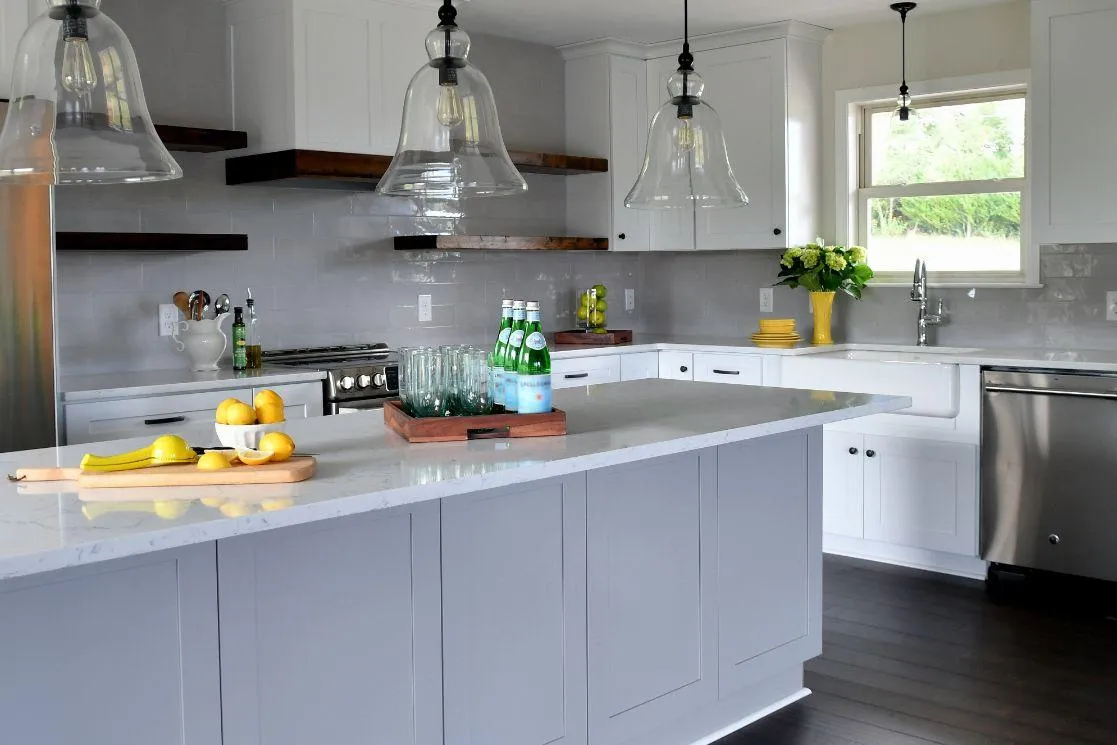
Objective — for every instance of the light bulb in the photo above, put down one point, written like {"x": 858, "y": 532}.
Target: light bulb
{"x": 450, "y": 112}
{"x": 685, "y": 136}
{"x": 78, "y": 73}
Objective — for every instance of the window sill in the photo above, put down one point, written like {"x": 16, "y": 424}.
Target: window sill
{"x": 964, "y": 285}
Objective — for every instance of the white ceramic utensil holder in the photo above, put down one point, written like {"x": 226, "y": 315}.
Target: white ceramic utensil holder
{"x": 203, "y": 341}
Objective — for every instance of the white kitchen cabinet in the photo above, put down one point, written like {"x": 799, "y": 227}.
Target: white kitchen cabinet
{"x": 676, "y": 365}
{"x": 922, "y": 494}
{"x": 151, "y": 415}
{"x": 578, "y": 371}
{"x": 843, "y": 493}
{"x": 640, "y": 366}
{"x": 324, "y": 74}
{"x": 332, "y": 630}
{"x": 124, "y": 652}
{"x": 1073, "y": 150}
{"x": 300, "y": 400}
{"x": 738, "y": 369}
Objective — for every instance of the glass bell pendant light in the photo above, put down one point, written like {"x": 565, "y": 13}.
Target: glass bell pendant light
{"x": 450, "y": 146}
{"x": 904, "y": 112}
{"x": 686, "y": 164}
{"x": 77, "y": 113}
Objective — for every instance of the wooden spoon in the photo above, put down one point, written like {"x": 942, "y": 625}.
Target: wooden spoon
{"x": 182, "y": 302}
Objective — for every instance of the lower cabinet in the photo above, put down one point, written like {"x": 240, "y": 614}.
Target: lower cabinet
{"x": 579, "y": 371}
{"x": 843, "y": 495}
{"x": 121, "y": 653}
{"x": 96, "y": 421}
{"x": 513, "y": 621}
{"x": 640, "y": 366}
{"x": 300, "y": 400}
{"x": 676, "y": 365}
{"x": 739, "y": 369}
{"x": 332, "y": 629}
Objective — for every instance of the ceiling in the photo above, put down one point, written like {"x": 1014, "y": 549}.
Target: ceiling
{"x": 557, "y": 22}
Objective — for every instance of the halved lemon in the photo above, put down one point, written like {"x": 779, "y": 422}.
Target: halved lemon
{"x": 254, "y": 457}
{"x": 213, "y": 462}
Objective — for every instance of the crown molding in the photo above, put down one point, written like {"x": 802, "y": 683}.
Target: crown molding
{"x": 704, "y": 43}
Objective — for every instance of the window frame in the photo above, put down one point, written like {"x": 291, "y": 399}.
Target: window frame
{"x": 854, "y": 162}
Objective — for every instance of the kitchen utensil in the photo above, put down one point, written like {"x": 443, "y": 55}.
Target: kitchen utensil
{"x": 182, "y": 302}
{"x": 166, "y": 450}
{"x": 221, "y": 305}
{"x": 290, "y": 471}
{"x": 195, "y": 303}
{"x": 205, "y": 305}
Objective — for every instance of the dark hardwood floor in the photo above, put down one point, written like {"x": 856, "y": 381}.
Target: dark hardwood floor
{"x": 911, "y": 658}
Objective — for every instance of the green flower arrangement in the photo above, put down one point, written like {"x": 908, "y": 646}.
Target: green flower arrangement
{"x": 821, "y": 268}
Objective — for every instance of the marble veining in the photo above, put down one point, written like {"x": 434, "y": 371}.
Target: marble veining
{"x": 363, "y": 466}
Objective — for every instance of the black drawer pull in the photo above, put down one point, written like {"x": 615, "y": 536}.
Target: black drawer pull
{"x": 853, "y": 451}
{"x": 576, "y": 376}
{"x": 727, "y": 372}
{"x": 871, "y": 453}
{"x": 165, "y": 420}
{"x": 684, "y": 368}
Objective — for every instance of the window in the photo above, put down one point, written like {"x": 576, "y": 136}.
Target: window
{"x": 949, "y": 186}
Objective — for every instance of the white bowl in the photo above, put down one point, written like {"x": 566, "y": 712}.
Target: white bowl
{"x": 245, "y": 436}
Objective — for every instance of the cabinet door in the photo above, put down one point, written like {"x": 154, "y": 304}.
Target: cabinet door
{"x": 747, "y": 86}
{"x": 300, "y": 400}
{"x": 139, "y": 417}
{"x": 640, "y": 366}
{"x": 330, "y": 632}
{"x": 843, "y": 496}
{"x": 123, "y": 653}
{"x": 514, "y": 608}
{"x": 738, "y": 369}
{"x": 652, "y": 630}
{"x": 1073, "y": 153}
{"x": 628, "y": 110}
{"x": 676, "y": 365}
{"x": 769, "y": 557}
{"x": 672, "y": 230}
{"x": 921, "y": 493}
{"x": 579, "y": 371}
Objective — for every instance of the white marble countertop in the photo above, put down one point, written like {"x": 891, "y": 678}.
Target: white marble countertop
{"x": 363, "y": 466}
{"x": 83, "y": 388}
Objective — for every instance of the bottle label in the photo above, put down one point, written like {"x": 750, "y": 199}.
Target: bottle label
{"x": 533, "y": 394}
{"x": 504, "y": 334}
{"x": 516, "y": 339}
{"x": 496, "y": 383}
{"x": 511, "y": 391}
{"x": 536, "y": 341}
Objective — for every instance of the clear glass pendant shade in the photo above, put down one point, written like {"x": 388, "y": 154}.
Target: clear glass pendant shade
{"x": 686, "y": 164}
{"x": 450, "y": 146}
{"x": 77, "y": 113}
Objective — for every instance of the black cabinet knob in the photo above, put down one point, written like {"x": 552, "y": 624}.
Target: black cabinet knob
{"x": 853, "y": 451}
{"x": 622, "y": 236}
{"x": 684, "y": 368}
{"x": 1053, "y": 539}
{"x": 871, "y": 453}
{"x": 777, "y": 231}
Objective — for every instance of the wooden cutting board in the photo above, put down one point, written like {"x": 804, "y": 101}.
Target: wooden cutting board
{"x": 290, "y": 471}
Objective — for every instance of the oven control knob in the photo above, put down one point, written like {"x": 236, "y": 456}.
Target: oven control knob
{"x": 378, "y": 380}
{"x": 347, "y": 383}
{"x": 364, "y": 381}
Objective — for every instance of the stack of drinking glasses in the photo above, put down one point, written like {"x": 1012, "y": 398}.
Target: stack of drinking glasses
{"x": 444, "y": 381}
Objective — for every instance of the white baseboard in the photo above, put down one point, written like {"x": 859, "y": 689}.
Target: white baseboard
{"x": 754, "y": 717}
{"x": 916, "y": 558}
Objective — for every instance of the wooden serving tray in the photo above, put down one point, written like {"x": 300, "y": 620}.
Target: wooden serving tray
{"x": 584, "y": 337}
{"x": 461, "y": 428}
{"x": 287, "y": 472}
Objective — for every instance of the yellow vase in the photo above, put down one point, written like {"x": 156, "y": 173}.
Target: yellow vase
{"x": 822, "y": 305}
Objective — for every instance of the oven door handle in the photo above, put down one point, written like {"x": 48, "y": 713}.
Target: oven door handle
{"x": 1049, "y": 392}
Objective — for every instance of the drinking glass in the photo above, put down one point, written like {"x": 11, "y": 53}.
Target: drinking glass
{"x": 472, "y": 385}
{"x": 451, "y": 370}
{"x": 426, "y": 387}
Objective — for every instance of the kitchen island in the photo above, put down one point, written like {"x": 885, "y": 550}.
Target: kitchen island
{"x": 653, "y": 577}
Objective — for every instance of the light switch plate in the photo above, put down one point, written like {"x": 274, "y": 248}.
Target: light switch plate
{"x": 425, "y": 312}
{"x": 767, "y": 300}
{"x": 168, "y": 317}
{"x": 1111, "y": 306}
{"x": 630, "y": 299}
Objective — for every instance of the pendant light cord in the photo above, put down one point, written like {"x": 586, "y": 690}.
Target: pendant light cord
{"x": 903, "y": 51}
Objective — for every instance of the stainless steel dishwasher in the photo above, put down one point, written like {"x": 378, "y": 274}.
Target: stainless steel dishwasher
{"x": 1049, "y": 471}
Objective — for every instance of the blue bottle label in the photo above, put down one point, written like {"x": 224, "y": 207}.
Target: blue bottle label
{"x": 496, "y": 385}
{"x": 534, "y": 394}
{"x": 511, "y": 391}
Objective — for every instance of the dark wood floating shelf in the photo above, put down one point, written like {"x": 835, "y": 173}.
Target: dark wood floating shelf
{"x": 344, "y": 170}
{"x": 498, "y": 243}
{"x": 150, "y": 242}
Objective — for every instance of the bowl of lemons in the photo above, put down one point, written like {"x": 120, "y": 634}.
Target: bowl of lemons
{"x": 242, "y": 426}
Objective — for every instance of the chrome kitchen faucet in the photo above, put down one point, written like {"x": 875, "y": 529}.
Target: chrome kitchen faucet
{"x": 919, "y": 295}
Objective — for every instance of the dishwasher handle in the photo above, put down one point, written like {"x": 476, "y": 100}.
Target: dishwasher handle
{"x": 1050, "y": 392}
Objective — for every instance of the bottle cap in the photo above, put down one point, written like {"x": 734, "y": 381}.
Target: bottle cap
{"x": 238, "y": 310}
{"x": 517, "y": 303}
{"x": 506, "y": 303}
{"x": 249, "y": 302}
{"x": 533, "y": 305}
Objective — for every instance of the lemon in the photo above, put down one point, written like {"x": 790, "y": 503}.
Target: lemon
{"x": 602, "y": 306}
{"x": 270, "y": 413}
{"x": 254, "y": 457}
{"x": 240, "y": 413}
{"x": 235, "y": 509}
{"x": 228, "y": 454}
{"x": 597, "y": 318}
{"x": 583, "y": 313}
{"x": 171, "y": 509}
{"x": 584, "y": 300}
{"x": 222, "y": 416}
{"x": 601, "y": 291}
{"x": 213, "y": 462}
{"x": 279, "y": 503}
{"x": 267, "y": 396}
{"x": 279, "y": 444}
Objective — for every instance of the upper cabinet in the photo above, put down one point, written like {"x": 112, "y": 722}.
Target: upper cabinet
{"x": 766, "y": 85}
{"x": 324, "y": 74}
{"x": 1073, "y": 120}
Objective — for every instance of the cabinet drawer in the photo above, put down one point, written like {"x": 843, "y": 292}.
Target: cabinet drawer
{"x": 138, "y": 417}
{"x": 676, "y": 365}
{"x": 739, "y": 369}
{"x": 301, "y": 400}
{"x": 640, "y": 366}
{"x": 585, "y": 371}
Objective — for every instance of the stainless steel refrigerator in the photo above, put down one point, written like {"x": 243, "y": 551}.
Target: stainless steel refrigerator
{"x": 28, "y": 375}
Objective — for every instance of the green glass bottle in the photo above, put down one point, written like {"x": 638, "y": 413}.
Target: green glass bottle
{"x": 512, "y": 354}
{"x": 496, "y": 359}
{"x": 240, "y": 341}
{"x": 533, "y": 372}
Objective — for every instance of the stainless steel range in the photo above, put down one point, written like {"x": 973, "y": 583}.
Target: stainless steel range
{"x": 358, "y": 377}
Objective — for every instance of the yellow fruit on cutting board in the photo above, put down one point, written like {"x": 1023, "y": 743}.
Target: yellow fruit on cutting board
{"x": 213, "y": 462}
{"x": 279, "y": 444}
{"x": 171, "y": 509}
{"x": 240, "y": 413}
{"x": 222, "y": 416}
{"x": 267, "y": 396}
{"x": 254, "y": 457}
{"x": 270, "y": 413}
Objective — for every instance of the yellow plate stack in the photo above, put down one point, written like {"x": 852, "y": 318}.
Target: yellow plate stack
{"x": 776, "y": 333}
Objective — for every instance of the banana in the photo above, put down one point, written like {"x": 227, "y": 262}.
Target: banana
{"x": 164, "y": 451}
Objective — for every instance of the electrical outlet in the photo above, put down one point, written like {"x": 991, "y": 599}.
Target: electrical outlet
{"x": 168, "y": 317}
{"x": 630, "y": 299}
{"x": 767, "y": 300}
{"x": 425, "y": 312}
{"x": 1111, "y": 306}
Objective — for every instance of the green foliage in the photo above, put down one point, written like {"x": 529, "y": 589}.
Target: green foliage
{"x": 821, "y": 268}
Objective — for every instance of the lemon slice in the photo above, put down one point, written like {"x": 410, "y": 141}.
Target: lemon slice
{"x": 255, "y": 457}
